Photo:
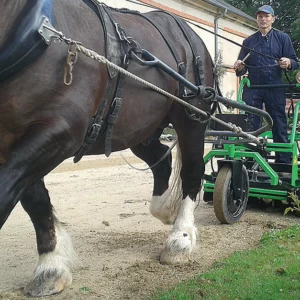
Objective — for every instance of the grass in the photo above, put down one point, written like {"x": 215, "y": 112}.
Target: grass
{"x": 268, "y": 272}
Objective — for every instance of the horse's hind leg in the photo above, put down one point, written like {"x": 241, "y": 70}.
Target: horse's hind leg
{"x": 161, "y": 207}
{"x": 54, "y": 246}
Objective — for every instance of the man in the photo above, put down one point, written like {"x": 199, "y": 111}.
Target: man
{"x": 264, "y": 70}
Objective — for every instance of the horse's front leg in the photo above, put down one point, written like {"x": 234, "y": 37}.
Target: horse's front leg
{"x": 56, "y": 254}
{"x": 182, "y": 239}
{"x": 38, "y": 151}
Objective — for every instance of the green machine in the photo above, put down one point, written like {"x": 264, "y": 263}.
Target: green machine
{"x": 242, "y": 169}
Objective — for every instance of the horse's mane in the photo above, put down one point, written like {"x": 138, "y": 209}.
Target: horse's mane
{"x": 121, "y": 10}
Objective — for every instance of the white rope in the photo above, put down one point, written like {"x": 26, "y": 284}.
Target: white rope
{"x": 92, "y": 54}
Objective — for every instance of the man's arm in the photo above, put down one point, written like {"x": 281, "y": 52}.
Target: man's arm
{"x": 289, "y": 59}
{"x": 239, "y": 66}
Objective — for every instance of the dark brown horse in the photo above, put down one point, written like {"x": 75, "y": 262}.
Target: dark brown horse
{"x": 44, "y": 121}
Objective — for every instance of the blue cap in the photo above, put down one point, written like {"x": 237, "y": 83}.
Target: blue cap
{"x": 266, "y": 9}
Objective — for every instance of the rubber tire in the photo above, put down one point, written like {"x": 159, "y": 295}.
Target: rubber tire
{"x": 223, "y": 193}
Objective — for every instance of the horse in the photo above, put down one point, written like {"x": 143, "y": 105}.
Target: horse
{"x": 50, "y": 98}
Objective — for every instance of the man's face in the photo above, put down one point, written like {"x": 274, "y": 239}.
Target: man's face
{"x": 264, "y": 20}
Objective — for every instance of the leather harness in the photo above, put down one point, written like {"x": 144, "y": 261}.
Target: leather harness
{"x": 24, "y": 45}
{"x": 28, "y": 45}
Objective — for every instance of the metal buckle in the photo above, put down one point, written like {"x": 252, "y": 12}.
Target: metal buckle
{"x": 122, "y": 35}
{"x": 47, "y": 31}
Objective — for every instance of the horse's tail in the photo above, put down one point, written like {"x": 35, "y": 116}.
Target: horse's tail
{"x": 166, "y": 206}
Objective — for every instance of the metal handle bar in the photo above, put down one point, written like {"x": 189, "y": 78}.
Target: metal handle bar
{"x": 268, "y": 86}
{"x": 150, "y": 60}
{"x": 246, "y": 108}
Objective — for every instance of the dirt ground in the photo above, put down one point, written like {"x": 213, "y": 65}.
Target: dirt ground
{"x": 104, "y": 205}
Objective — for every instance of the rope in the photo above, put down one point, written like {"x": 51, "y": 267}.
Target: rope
{"x": 156, "y": 163}
{"x": 95, "y": 56}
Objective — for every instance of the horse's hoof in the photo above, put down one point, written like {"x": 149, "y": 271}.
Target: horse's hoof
{"x": 48, "y": 283}
{"x": 182, "y": 240}
{"x": 179, "y": 245}
{"x": 170, "y": 258}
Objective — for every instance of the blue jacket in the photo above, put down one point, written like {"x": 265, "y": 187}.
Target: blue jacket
{"x": 276, "y": 44}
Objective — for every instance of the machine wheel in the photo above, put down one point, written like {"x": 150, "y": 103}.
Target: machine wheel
{"x": 227, "y": 209}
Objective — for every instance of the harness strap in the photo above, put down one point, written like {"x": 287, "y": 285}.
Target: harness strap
{"x": 180, "y": 64}
{"x": 199, "y": 64}
{"x": 160, "y": 30}
{"x": 200, "y": 79}
{"x": 97, "y": 127}
{"x": 113, "y": 50}
{"x": 112, "y": 119}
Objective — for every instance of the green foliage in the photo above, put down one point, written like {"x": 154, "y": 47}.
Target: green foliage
{"x": 295, "y": 205}
{"x": 291, "y": 77}
{"x": 287, "y": 16}
{"x": 85, "y": 289}
{"x": 247, "y": 6}
{"x": 276, "y": 235}
{"x": 271, "y": 271}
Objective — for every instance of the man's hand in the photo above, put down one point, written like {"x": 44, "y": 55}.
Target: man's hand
{"x": 238, "y": 65}
{"x": 284, "y": 63}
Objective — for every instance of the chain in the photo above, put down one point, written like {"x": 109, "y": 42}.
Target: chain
{"x": 71, "y": 61}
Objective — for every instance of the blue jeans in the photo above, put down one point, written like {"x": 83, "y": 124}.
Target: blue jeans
{"x": 274, "y": 101}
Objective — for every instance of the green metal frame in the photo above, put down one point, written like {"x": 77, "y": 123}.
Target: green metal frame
{"x": 234, "y": 151}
